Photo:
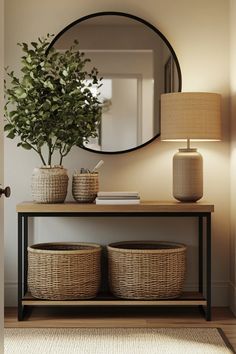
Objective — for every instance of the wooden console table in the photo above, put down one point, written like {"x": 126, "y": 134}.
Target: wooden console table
{"x": 145, "y": 209}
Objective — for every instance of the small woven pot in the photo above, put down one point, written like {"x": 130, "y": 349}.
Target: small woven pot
{"x": 146, "y": 270}
{"x": 85, "y": 187}
{"x": 64, "y": 271}
{"x": 49, "y": 184}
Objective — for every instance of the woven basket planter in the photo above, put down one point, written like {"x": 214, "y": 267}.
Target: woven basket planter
{"x": 49, "y": 184}
{"x": 146, "y": 270}
{"x": 64, "y": 271}
{"x": 85, "y": 187}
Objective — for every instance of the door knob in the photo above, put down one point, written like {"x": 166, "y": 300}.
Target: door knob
{"x": 6, "y": 191}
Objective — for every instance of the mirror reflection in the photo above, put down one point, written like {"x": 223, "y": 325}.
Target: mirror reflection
{"x": 136, "y": 65}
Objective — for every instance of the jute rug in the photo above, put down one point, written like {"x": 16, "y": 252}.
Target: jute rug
{"x": 115, "y": 341}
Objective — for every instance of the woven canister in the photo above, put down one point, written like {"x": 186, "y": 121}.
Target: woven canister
{"x": 64, "y": 271}
{"x": 85, "y": 187}
{"x": 146, "y": 270}
{"x": 49, "y": 184}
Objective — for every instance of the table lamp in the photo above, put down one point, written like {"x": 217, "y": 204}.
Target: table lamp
{"x": 189, "y": 116}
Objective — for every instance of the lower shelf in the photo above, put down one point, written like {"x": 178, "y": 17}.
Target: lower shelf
{"x": 186, "y": 299}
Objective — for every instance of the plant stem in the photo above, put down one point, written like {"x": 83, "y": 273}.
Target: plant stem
{"x": 41, "y": 157}
{"x": 61, "y": 158}
{"x": 66, "y": 152}
{"x": 49, "y": 153}
{"x": 49, "y": 158}
{"x": 54, "y": 146}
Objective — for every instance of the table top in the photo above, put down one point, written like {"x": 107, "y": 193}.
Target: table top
{"x": 143, "y": 207}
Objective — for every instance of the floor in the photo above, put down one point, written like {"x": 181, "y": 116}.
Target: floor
{"x": 110, "y": 317}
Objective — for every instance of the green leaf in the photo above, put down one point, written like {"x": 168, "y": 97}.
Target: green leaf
{"x": 12, "y": 114}
{"x": 23, "y": 95}
{"x": 19, "y": 91}
{"x": 11, "y": 135}
{"x": 62, "y": 82}
{"x": 8, "y": 127}
{"x": 46, "y": 105}
{"x": 54, "y": 107}
{"x": 25, "y": 46}
{"x": 34, "y": 44}
{"x": 26, "y": 146}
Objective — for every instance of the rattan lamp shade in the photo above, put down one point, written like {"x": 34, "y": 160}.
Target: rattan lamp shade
{"x": 191, "y": 115}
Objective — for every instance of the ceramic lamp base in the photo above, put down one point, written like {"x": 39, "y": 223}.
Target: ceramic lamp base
{"x": 187, "y": 175}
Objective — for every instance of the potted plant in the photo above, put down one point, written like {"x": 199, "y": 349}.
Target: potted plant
{"x": 51, "y": 108}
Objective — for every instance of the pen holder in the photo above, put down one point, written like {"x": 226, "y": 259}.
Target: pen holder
{"x": 85, "y": 187}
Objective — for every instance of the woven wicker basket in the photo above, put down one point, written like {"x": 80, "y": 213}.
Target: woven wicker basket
{"x": 85, "y": 187}
{"x": 146, "y": 270}
{"x": 64, "y": 271}
{"x": 49, "y": 184}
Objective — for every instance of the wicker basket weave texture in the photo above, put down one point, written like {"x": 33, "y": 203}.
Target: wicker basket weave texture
{"x": 49, "y": 185}
{"x": 59, "y": 271}
{"x": 153, "y": 273}
{"x": 85, "y": 187}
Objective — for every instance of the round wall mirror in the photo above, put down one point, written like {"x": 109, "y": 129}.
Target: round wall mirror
{"x": 137, "y": 64}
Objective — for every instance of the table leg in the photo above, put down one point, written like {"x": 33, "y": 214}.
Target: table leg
{"x": 200, "y": 254}
{"x": 208, "y": 266}
{"x": 20, "y": 308}
{"x": 25, "y": 253}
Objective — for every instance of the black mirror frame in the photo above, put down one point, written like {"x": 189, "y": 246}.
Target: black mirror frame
{"x": 117, "y": 13}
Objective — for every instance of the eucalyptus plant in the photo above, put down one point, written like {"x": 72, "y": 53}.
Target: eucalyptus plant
{"x": 52, "y": 104}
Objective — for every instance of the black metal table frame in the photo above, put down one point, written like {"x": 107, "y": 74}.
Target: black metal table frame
{"x": 202, "y": 216}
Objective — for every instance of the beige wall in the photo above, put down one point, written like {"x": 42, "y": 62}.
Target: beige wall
{"x": 233, "y": 154}
{"x": 199, "y": 35}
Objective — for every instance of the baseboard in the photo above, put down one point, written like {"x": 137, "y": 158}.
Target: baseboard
{"x": 220, "y": 293}
{"x": 232, "y": 297}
